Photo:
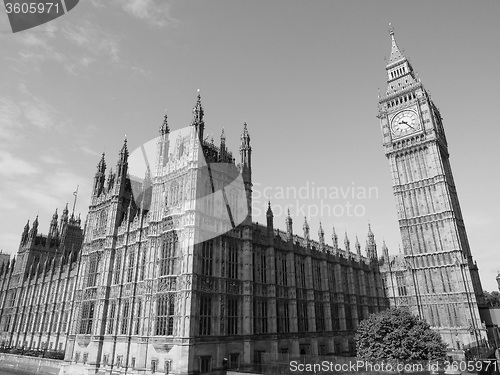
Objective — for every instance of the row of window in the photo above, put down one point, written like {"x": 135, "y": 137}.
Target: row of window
{"x": 34, "y": 323}
{"x": 401, "y": 100}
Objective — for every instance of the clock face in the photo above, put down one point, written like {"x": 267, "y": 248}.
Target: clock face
{"x": 405, "y": 122}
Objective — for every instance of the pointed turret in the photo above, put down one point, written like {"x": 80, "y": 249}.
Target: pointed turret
{"x": 122, "y": 165}
{"x": 198, "y": 121}
{"x": 34, "y": 228}
{"x": 371, "y": 246}
{"x": 146, "y": 190}
{"x": 357, "y": 246}
{"x": 396, "y": 54}
{"x": 163, "y": 144}
{"x": 53, "y": 225}
{"x": 385, "y": 251}
{"x": 26, "y": 230}
{"x": 101, "y": 166}
{"x": 335, "y": 240}
{"x": 245, "y": 149}
{"x": 100, "y": 176}
{"x": 164, "y": 129}
{"x": 64, "y": 216}
{"x": 111, "y": 179}
{"x": 246, "y": 168}
{"x": 399, "y": 70}
{"x": 321, "y": 237}
{"x": 306, "y": 231}
{"x": 347, "y": 244}
{"x": 289, "y": 226}
{"x": 223, "y": 150}
{"x": 269, "y": 216}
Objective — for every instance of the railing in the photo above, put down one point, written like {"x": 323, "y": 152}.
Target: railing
{"x": 44, "y": 353}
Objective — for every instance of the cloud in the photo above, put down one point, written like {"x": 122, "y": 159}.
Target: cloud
{"x": 94, "y": 39}
{"x": 155, "y": 12}
{"x": 40, "y": 113}
{"x": 10, "y": 119}
{"x": 11, "y": 165}
{"x": 89, "y": 151}
{"x": 51, "y": 159}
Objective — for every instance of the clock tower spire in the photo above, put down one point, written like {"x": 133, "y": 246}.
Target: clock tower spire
{"x": 446, "y": 286}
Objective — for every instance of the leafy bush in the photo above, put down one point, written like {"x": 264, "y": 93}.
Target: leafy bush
{"x": 397, "y": 335}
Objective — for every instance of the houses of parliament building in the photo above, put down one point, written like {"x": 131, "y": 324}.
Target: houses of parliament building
{"x": 170, "y": 275}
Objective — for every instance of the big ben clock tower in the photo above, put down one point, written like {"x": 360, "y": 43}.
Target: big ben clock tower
{"x": 441, "y": 278}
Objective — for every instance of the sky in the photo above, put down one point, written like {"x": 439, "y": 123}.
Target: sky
{"x": 303, "y": 75}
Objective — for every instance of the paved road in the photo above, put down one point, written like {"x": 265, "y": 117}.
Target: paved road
{"x": 11, "y": 370}
{"x": 14, "y": 371}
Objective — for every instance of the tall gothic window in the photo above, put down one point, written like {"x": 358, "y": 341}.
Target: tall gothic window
{"x": 21, "y": 322}
{"x": 317, "y": 275}
{"x": 300, "y": 272}
{"x": 87, "y": 317}
{"x": 260, "y": 315}
{"x": 64, "y": 323}
{"x": 111, "y": 318}
{"x": 334, "y": 309}
{"x": 36, "y": 323}
{"x": 233, "y": 200}
{"x": 174, "y": 193}
{"x": 302, "y": 318}
{"x": 400, "y": 280}
{"x": 208, "y": 200}
{"x": 281, "y": 269}
{"x": 207, "y": 251}
{"x": 131, "y": 268}
{"x": 165, "y": 309}
{"x": 6, "y": 323}
{"x": 283, "y": 320}
{"x": 118, "y": 266}
{"x": 345, "y": 280}
{"x": 92, "y": 270}
{"x": 232, "y": 264}
{"x": 232, "y": 316}
{"x": 169, "y": 251}
{"x": 12, "y": 298}
{"x": 55, "y": 319}
{"x": 143, "y": 265}
{"x": 205, "y": 315}
{"x": 360, "y": 310}
{"x": 348, "y": 317}
{"x": 357, "y": 281}
{"x": 331, "y": 277}
{"x": 125, "y": 317}
{"x": 259, "y": 265}
{"x": 138, "y": 316}
{"x": 319, "y": 311}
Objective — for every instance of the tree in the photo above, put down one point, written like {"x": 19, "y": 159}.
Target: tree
{"x": 397, "y": 334}
{"x": 492, "y": 299}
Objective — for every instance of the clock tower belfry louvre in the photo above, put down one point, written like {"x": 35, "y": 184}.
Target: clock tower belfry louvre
{"x": 435, "y": 275}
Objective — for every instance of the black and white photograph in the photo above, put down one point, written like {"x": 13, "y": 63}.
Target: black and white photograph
{"x": 195, "y": 187}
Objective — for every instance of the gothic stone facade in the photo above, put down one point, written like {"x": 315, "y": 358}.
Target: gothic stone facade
{"x": 435, "y": 276}
{"x": 37, "y": 288}
{"x": 163, "y": 289}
